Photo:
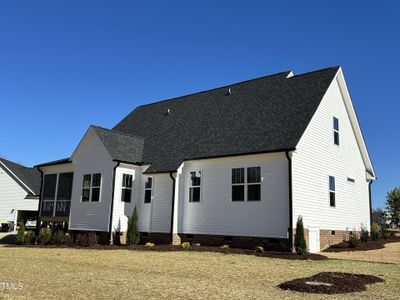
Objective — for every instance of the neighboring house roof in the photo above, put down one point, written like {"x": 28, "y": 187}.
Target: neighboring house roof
{"x": 121, "y": 146}
{"x": 28, "y": 178}
{"x": 261, "y": 115}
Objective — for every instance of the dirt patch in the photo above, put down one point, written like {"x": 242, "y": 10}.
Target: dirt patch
{"x": 331, "y": 283}
{"x": 363, "y": 246}
{"x": 166, "y": 248}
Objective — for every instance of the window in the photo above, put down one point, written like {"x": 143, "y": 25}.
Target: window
{"x": 194, "y": 188}
{"x": 148, "y": 187}
{"x": 64, "y": 189}
{"x": 126, "y": 192}
{"x": 332, "y": 199}
{"x": 250, "y": 182}
{"x": 91, "y": 187}
{"x": 336, "y": 131}
{"x": 49, "y": 189}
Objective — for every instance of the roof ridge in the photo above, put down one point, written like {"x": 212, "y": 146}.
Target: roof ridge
{"x": 213, "y": 89}
{"x": 2, "y": 159}
{"x": 316, "y": 71}
{"x": 119, "y": 132}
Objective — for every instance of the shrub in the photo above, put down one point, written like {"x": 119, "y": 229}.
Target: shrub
{"x": 259, "y": 249}
{"x": 44, "y": 236}
{"x": 149, "y": 245}
{"x": 57, "y": 237}
{"x": 376, "y": 231}
{"x": 29, "y": 237}
{"x": 186, "y": 245}
{"x": 364, "y": 234}
{"x": 352, "y": 240}
{"x": 20, "y": 234}
{"x": 68, "y": 239}
{"x": 92, "y": 239}
{"x": 133, "y": 236}
{"x": 299, "y": 240}
{"x": 226, "y": 246}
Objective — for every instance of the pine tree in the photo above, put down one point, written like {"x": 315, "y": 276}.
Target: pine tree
{"x": 133, "y": 236}
{"x": 21, "y": 234}
{"x": 299, "y": 240}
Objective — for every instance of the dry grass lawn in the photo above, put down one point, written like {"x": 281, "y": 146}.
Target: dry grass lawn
{"x": 104, "y": 274}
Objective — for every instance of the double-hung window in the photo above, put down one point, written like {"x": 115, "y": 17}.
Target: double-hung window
{"x": 195, "y": 186}
{"x": 246, "y": 186}
{"x": 148, "y": 188}
{"x": 332, "y": 191}
{"x": 91, "y": 187}
{"x": 126, "y": 192}
{"x": 336, "y": 131}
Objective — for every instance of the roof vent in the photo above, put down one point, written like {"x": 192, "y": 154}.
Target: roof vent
{"x": 168, "y": 112}
{"x": 229, "y": 92}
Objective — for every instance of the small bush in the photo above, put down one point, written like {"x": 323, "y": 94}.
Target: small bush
{"x": 92, "y": 239}
{"x": 259, "y": 249}
{"x": 364, "y": 234}
{"x": 299, "y": 240}
{"x": 186, "y": 245}
{"x": 376, "y": 231}
{"x": 149, "y": 245}
{"x": 20, "y": 234}
{"x": 57, "y": 237}
{"x": 29, "y": 237}
{"x": 352, "y": 240}
{"x": 44, "y": 236}
{"x": 226, "y": 246}
{"x": 69, "y": 239}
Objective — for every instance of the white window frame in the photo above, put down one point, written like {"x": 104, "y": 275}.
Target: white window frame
{"x": 191, "y": 186}
{"x": 91, "y": 187}
{"x": 246, "y": 184}
{"x": 127, "y": 188}
{"x": 148, "y": 189}
{"x": 336, "y": 131}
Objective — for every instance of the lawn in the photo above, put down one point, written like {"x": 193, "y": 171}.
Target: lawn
{"x": 88, "y": 274}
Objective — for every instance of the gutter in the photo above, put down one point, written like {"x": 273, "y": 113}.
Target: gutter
{"x": 39, "y": 204}
{"x": 112, "y": 202}
{"x": 172, "y": 206}
{"x": 290, "y": 200}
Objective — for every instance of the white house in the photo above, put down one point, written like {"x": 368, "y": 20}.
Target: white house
{"x": 236, "y": 164}
{"x": 19, "y": 192}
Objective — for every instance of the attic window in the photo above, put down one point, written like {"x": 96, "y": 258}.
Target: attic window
{"x": 336, "y": 131}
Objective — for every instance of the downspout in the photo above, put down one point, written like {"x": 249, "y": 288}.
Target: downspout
{"x": 39, "y": 204}
{"x": 370, "y": 203}
{"x": 112, "y": 203}
{"x": 172, "y": 206}
{"x": 290, "y": 200}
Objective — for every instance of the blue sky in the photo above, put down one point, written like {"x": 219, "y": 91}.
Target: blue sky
{"x": 67, "y": 64}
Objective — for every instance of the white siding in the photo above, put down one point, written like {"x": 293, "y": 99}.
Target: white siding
{"x": 91, "y": 157}
{"x": 217, "y": 214}
{"x": 317, "y": 157}
{"x": 12, "y": 196}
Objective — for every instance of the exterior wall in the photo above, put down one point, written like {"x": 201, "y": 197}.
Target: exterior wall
{"x": 12, "y": 196}
{"x": 316, "y": 158}
{"x": 91, "y": 157}
{"x": 216, "y": 214}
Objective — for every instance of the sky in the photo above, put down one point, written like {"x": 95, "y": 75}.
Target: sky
{"x": 65, "y": 65}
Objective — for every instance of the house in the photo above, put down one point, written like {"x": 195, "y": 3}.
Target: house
{"x": 19, "y": 192}
{"x": 236, "y": 164}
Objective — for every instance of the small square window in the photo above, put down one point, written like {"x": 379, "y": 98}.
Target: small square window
{"x": 237, "y": 192}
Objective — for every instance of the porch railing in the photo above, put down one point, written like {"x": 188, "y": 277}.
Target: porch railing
{"x": 61, "y": 209}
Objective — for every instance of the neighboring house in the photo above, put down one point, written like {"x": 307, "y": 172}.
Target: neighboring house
{"x": 19, "y": 192}
{"x": 236, "y": 164}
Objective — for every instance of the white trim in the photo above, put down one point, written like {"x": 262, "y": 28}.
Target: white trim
{"x": 18, "y": 178}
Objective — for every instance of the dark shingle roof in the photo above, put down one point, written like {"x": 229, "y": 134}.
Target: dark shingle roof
{"x": 29, "y": 176}
{"x": 121, "y": 146}
{"x": 260, "y": 115}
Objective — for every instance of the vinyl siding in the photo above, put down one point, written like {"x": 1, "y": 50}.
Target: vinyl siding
{"x": 217, "y": 214}
{"x": 12, "y": 196}
{"x": 317, "y": 157}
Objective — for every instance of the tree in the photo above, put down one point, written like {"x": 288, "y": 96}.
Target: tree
{"x": 21, "y": 234}
{"x": 393, "y": 204}
{"x": 299, "y": 240}
{"x": 133, "y": 236}
{"x": 377, "y": 215}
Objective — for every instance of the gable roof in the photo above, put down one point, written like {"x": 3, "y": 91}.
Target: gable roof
{"x": 28, "y": 178}
{"x": 260, "y": 115}
{"x": 121, "y": 146}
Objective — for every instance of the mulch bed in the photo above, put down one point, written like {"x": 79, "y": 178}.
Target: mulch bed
{"x": 363, "y": 246}
{"x": 331, "y": 283}
{"x": 167, "y": 248}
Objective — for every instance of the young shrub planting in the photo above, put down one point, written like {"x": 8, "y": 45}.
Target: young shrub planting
{"x": 29, "y": 237}
{"x": 376, "y": 231}
{"x": 299, "y": 239}
{"x": 133, "y": 236}
{"x": 352, "y": 239}
{"x": 259, "y": 249}
{"x": 57, "y": 237}
{"x": 44, "y": 236}
{"x": 149, "y": 245}
{"x": 186, "y": 245}
{"x": 20, "y": 234}
{"x": 92, "y": 239}
{"x": 364, "y": 234}
{"x": 226, "y": 246}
